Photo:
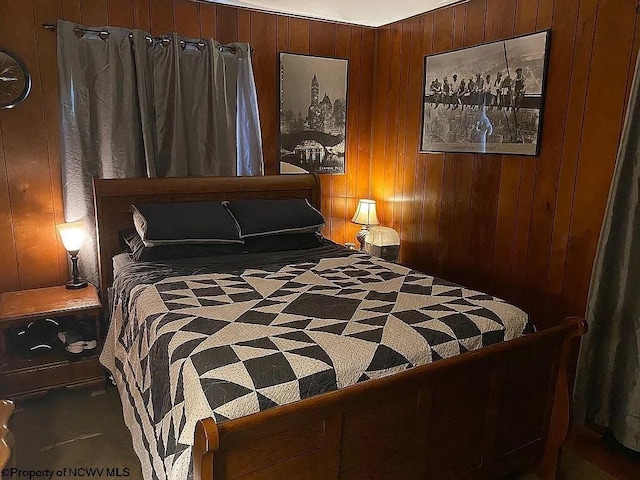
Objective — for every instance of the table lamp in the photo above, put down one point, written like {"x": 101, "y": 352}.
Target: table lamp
{"x": 73, "y": 236}
{"x": 366, "y": 216}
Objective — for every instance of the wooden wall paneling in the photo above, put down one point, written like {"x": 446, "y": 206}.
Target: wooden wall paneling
{"x": 398, "y": 201}
{"x": 585, "y": 27}
{"x": 208, "y": 23}
{"x": 263, "y": 37}
{"x": 546, "y": 14}
{"x": 601, "y": 131}
{"x": 506, "y": 225}
{"x": 283, "y": 34}
{"x": 523, "y": 224}
{"x": 322, "y": 39}
{"x": 161, "y": 17}
{"x": 459, "y": 25}
{"x": 120, "y": 13}
{"x": 357, "y": 168}
{"x": 429, "y": 176}
{"x": 322, "y": 43}
{"x": 94, "y": 12}
{"x": 26, "y": 159}
{"x": 142, "y": 14}
{"x": 526, "y": 16}
{"x": 474, "y": 33}
{"x": 244, "y": 25}
{"x": 447, "y": 198}
{"x": 380, "y": 106}
{"x": 410, "y": 212}
{"x": 411, "y": 207}
{"x": 443, "y": 35}
{"x": 339, "y": 208}
{"x": 298, "y": 35}
{"x": 367, "y": 73}
{"x": 483, "y": 218}
{"x": 45, "y": 12}
{"x": 451, "y": 209}
{"x": 404, "y": 162}
{"x": 71, "y": 10}
{"x": 353, "y": 113}
{"x": 393, "y": 97}
{"x": 500, "y": 19}
{"x": 9, "y": 280}
{"x": 186, "y": 18}
{"x": 227, "y": 24}
{"x": 548, "y": 164}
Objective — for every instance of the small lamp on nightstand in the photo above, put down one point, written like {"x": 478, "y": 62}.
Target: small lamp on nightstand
{"x": 366, "y": 216}
{"x": 73, "y": 236}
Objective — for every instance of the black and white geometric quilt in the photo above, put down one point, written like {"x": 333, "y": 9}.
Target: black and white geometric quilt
{"x": 227, "y": 345}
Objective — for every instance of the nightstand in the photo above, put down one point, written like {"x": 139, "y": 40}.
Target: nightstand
{"x": 23, "y": 378}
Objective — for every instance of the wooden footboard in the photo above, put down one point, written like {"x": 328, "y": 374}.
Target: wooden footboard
{"x": 478, "y": 415}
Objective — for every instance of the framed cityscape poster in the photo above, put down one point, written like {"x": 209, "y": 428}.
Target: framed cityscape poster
{"x": 313, "y": 114}
{"x": 486, "y": 99}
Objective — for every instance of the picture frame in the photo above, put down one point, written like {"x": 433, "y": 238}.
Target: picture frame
{"x": 313, "y": 114}
{"x": 486, "y": 99}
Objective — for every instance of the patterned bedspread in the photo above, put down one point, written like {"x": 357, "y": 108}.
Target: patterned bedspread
{"x": 232, "y": 343}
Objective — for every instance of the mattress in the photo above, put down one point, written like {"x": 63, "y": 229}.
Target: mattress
{"x": 234, "y": 335}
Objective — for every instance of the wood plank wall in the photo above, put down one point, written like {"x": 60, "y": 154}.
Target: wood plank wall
{"x": 523, "y": 228}
{"x": 31, "y": 255}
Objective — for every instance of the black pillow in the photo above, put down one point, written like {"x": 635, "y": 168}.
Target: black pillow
{"x": 269, "y": 217}
{"x": 133, "y": 244}
{"x": 282, "y": 242}
{"x": 184, "y": 222}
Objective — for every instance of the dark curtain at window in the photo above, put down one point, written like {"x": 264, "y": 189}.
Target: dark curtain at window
{"x": 133, "y": 105}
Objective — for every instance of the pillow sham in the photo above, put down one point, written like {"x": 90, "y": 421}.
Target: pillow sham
{"x": 184, "y": 222}
{"x": 131, "y": 242}
{"x": 282, "y": 242}
{"x": 259, "y": 217}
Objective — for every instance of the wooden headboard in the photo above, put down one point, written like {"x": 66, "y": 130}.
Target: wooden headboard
{"x": 114, "y": 197}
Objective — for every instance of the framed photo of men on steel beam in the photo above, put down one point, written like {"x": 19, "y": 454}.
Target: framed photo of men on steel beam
{"x": 313, "y": 114}
{"x": 486, "y": 99}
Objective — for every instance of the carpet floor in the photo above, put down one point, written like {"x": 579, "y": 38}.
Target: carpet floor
{"x": 77, "y": 428}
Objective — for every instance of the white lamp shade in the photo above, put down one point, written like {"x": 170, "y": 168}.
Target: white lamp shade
{"x": 73, "y": 235}
{"x": 366, "y": 213}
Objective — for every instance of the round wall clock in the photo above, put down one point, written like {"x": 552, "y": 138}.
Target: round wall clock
{"x": 15, "y": 81}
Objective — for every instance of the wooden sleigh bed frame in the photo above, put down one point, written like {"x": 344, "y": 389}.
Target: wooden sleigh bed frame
{"x": 484, "y": 414}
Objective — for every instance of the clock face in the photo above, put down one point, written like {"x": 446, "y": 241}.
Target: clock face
{"x": 15, "y": 81}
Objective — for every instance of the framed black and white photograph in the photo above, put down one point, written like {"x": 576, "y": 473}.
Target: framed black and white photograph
{"x": 486, "y": 99}
{"x": 313, "y": 114}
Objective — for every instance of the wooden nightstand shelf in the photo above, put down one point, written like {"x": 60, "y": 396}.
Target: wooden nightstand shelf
{"x": 20, "y": 377}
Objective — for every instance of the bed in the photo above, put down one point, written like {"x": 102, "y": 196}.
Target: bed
{"x": 336, "y": 332}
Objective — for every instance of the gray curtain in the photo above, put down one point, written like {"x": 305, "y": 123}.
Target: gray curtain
{"x": 608, "y": 382}
{"x": 100, "y": 122}
{"x": 133, "y": 105}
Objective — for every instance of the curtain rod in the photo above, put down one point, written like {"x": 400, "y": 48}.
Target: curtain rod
{"x": 164, "y": 40}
